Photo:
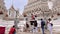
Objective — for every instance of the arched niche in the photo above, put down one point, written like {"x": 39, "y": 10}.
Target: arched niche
{"x": 1, "y": 12}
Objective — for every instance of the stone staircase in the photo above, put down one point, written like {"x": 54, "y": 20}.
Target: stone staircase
{"x": 9, "y": 24}
{"x": 56, "y": 28}
{"x": 56, "y": 25}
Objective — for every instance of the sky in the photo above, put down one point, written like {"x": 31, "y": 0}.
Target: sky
{"x": 18, "y": 4}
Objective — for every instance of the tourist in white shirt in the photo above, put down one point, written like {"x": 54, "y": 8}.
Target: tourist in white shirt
{"x": 49, "y": 25}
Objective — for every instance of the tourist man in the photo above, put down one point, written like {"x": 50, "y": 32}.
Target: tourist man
{"x": 12, "y": 30}
{"x": 49, "y": 24}
{"x": 42, "y": 25}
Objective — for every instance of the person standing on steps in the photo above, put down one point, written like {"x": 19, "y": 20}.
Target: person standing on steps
{"x": 42, "y": 25}
{"x": 49, "y": 25}
{"x": 12, "y": 30}
{"x": 27, "y": 26}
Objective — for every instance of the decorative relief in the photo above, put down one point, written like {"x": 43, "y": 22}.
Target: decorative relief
{"x": 32, "y": 2}
{"x": 44, "y": 0}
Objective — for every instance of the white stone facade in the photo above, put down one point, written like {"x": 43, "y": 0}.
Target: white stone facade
{"x": 40, "y": 6}
{"x": 12, "y": 12}
{"x": 3, "y": 8}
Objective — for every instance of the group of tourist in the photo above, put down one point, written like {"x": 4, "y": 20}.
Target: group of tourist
{"x": 34, "y": 27}
{"x": 49, "y": 25}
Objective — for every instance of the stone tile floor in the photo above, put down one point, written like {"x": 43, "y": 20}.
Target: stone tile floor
{"x": 35, "y": 33}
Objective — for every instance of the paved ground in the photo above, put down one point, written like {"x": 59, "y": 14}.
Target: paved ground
{"x": 46, "y": 32}
{"x": 35, "y": 33}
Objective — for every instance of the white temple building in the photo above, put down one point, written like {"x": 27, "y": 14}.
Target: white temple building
{"x": 36, "y": 7}
{"x": 42, "y": 10}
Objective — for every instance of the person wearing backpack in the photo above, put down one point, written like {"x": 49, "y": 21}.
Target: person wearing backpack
{"x": 49, "y": 25}
{"x": 27, "y": 27}
{"x": 35, "y": 26}
{"x": 42, "y": 25}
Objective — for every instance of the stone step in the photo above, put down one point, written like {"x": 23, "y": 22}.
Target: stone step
{"x": 36, "y": 33}
{"x": 9, "y": 24}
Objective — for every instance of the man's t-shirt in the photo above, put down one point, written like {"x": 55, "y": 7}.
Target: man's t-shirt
{"x": 12, "y": 31}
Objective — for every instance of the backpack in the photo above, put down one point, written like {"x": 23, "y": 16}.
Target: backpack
{"x": 43, "y": 23}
